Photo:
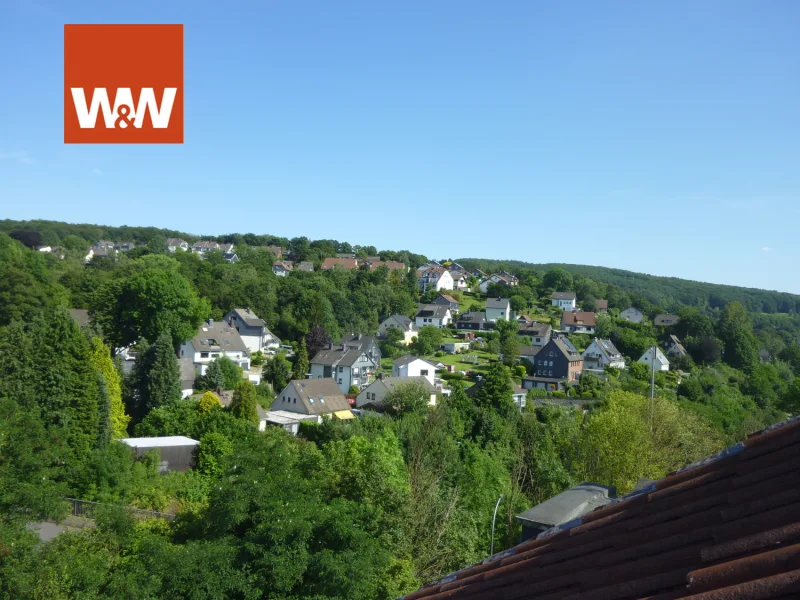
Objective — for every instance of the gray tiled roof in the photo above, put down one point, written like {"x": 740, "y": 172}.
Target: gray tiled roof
{"x": 337, "y": 356}
{"x": 249, "y": 318}
{"x": 499, "y": 303}
{"x": 432, "y": 311}
{"x": 563, "y": 296}
{"x": 218, "y": 336}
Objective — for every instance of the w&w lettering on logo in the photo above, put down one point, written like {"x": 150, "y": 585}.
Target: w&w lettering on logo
{"x": 123, "y": 84}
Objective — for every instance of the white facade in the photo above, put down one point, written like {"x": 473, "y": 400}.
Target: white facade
{"x": 634, "y": 315}
{"x": 202, "y": 359}
{"x": 661, "y": 362}
{"x": 415, "y": 368}
{"x": 495, "y": 314}
{"x": 376, "y": 392}
{"x": 443, "y": 321}
{"x": 564, "y": 303}
{"x": 400, "y": 323}
{"x": 601, "y": 354}
{"x": 434, "y": 279}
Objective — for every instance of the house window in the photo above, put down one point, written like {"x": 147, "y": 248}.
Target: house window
{"x": 424, "y": 372}
{"x": 340, "y": 381}
{"x": 204, "y": 355}
{"x": 311, "y": 399}
{"x": 341, "y": 369}
{"x": 294, "y": 400}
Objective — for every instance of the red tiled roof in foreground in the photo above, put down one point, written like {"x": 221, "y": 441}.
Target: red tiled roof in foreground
{"x": 726, "y": 528}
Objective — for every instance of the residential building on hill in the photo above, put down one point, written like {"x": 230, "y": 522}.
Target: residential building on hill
{"x": 400, "y": 322}
{"x": 564, "y": 300}
{"x": 281, "y": 268}
{"x": 498, "y": 308}
{"x": 447, "y": 301}
{"x": 601, "y": 354}
{"x": 436, "y": 315}
{"x": 601, "y": 306}
{"x": 539, "y": 333}
{"x": 413, "y": 366}
{"x": 474, "y": 321}
{"x": 556, "y": 363}
{"x": 347, "y": 366}
{"x": 174, "y": 244}
{"x": 254, "y": 331}
{"x": 666, "y": 320}
{"x": 634, "y": 315}
{"x": 215, "y": 339}
{"x": 578, "y": 322}
{"x": 320, "y": 397}
{"x": 374, "y": 394}
{"x": 343, "y": 263}
{"x": 655, "y": 356}
{"x": 437, "y": 278}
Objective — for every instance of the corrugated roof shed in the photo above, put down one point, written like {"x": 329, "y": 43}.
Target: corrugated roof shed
{"x": 725, "y": 528}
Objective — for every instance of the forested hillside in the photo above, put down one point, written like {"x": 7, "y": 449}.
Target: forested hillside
{"x": 668, "y": 292}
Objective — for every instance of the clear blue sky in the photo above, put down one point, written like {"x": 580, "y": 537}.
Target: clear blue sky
{"x": 659, "y": 137}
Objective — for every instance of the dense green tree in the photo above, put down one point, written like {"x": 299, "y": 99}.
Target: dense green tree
{"x": 735, "y": 330}
{"x": 214, "y": 378}
{"x": 31, "y": 462}
{"x": 158, "y": 380}
{"x": 152, "y": 299}
{"x": 408, "y": 398}
{"x": 278, "y": 371}
{"x": 429, "y": 338}
{"x": 231, "y": 372}
{"x": 301, "y": 366}
{"x": 705, "y": 350}
{"x": 45, "y": 365}
{"x": 101, "y": 360}
{"x": 558, "y": 279}
{"x": 244, "y": 403}
{"x": 208, "y": 402}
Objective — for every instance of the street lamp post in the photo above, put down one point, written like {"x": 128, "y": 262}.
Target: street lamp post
{"x": 494, "y": 517}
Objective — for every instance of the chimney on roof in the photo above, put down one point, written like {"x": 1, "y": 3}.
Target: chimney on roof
{"x": 210, "y": 321}
{"x": 360, "y": 336}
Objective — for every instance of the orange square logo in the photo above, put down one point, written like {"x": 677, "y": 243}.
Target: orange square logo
{"x": 123, "y": 84}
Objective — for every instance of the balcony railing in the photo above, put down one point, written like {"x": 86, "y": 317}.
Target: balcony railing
{"x": 87, "y": 510}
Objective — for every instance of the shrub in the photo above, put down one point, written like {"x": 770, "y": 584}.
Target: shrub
{"x": 208, "y": 402}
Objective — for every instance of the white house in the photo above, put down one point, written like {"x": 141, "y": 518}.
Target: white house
{"x": 578, "y": 321}
{"x": 254, "y": 331}
{"x": 215, "y": 339}
{"x": 281, "y": 269}
{"x": 375, "y": 392}
{"x": 649, "y": 357}
{"x": 413, "y": 366}
{"x": 498, "y": 308}
{"x": 313, "y": 397}
{"x": 204, "y": 246}
{"x": 564, "y": 300}
{"x": 400, "y": 322}
{"x": 174, "y": 244}
{"x": 437, "y": 315}
{"x": 634, "y": 315}
{"x": 345, "y": 365}
{"x": 601, "y": 354}
{"x": 437, "y": 278}
{"x": 501, "y": 278}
